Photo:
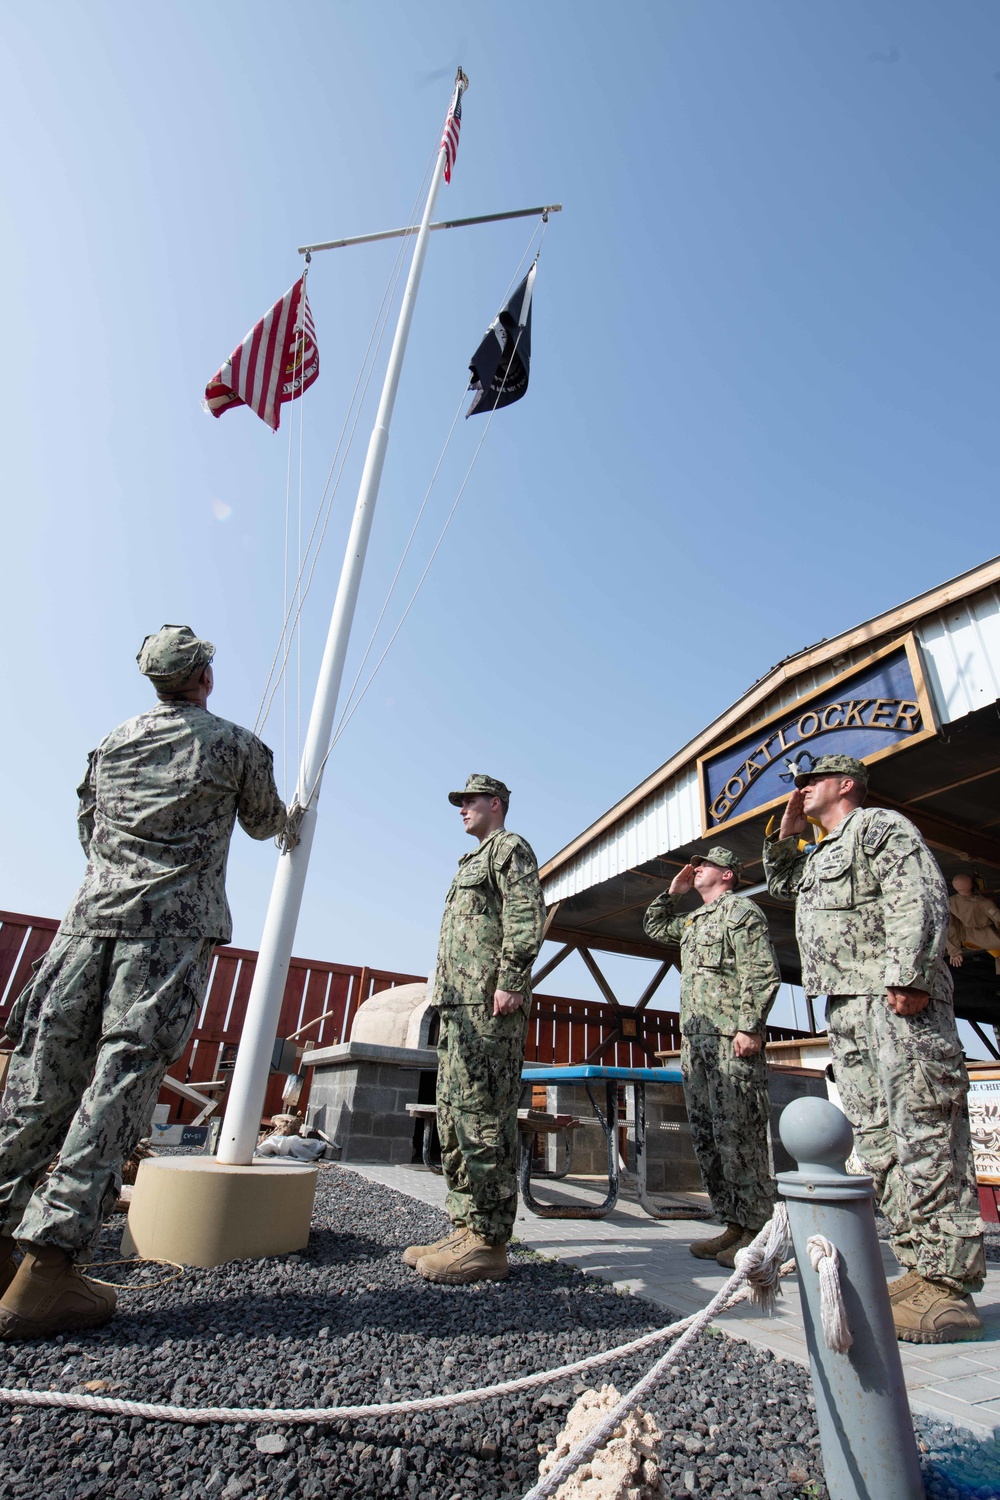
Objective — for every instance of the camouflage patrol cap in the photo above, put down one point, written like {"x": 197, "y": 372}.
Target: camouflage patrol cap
{"x": 724, "y": 858}
{"x": 173, "y": 655}
{"x": 835, "y": 765}
{"x": 480, "y": 786}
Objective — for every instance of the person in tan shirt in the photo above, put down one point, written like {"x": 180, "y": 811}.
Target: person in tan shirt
{"x": 974, "y": 922}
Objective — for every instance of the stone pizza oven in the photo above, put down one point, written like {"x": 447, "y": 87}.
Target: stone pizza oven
{"x": 361, "y": 1087}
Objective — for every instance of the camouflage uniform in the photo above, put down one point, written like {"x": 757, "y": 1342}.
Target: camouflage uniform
{"x": 115, "y": 999}
{"x": 729, "y": 978}
{"x": 872, "y": 914}
{"x": 490, "y": 937}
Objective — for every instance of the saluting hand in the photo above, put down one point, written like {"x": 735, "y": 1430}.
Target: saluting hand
{"x": 794, "y": 820}
{"x": 682, "y": 881}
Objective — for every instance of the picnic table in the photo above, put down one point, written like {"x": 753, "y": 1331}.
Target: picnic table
{"x": 530, "y": 1122}
{"x": 590, "y": 1074}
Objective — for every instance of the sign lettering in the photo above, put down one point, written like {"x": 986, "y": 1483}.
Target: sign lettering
{"x": 875, "y": 707}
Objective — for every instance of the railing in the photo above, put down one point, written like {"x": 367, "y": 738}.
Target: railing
{"x": 561, "y": 1030}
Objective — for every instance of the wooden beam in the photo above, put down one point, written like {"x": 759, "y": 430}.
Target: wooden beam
{"x": 654, "y": 984}
{"x": 596, "y": 1053}
{"x": 599, "y": 979}
{"x": 553, "y": 963}
{"x": 952, "y": 786}
{"x": 956, "y": 838}
{"x": 640, "y": 948}
{"x": 550, "y": 917}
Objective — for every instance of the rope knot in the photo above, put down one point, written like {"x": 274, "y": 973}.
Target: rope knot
{"x": 825, "y": 1261}
{"x": 761, "y": 1262}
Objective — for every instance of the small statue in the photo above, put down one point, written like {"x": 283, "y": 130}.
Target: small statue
{"x": 975, "y": 922}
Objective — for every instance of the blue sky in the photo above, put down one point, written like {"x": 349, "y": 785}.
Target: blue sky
{"x": 762, "y": 407}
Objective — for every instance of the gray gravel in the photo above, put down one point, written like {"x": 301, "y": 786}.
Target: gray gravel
{"x": 347, "y": 1322}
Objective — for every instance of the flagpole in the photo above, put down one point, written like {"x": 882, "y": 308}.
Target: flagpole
{"x": 241, "y": 1125}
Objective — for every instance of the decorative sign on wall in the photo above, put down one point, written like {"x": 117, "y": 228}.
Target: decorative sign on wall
{"x": 984, "y": 1116}
{"x": 869, "y": 712}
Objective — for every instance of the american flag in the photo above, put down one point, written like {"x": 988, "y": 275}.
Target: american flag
{"x": 452, "y": 130}
{"x": 275, "y": 363}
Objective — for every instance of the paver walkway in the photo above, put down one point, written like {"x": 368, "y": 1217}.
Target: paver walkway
{"x": 955, "y": 1382}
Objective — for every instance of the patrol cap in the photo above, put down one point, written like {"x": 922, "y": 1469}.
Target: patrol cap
{"x": 480, "y": 786}
{"x": 173, "y": 655}
{"x": 724, "y": 858}
{"x": 835, "y": 765}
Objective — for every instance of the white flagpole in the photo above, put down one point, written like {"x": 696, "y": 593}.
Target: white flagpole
{"x": 240, "y": 1127}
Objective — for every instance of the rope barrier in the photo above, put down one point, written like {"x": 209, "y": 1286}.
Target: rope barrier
{"x": 142, "y": 1286}
{"x": 755, "y": 1277}
{"x": 760, "y": 1265}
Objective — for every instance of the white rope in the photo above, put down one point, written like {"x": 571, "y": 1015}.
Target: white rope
{"x": 758, "y": 1264}
{"x": 824, "y": 1259}
{"x": 332, "y": 485}
{"x": 351, "y": 708}
{"x": 349, "y": 705}
{"x": 735, "y": 1290}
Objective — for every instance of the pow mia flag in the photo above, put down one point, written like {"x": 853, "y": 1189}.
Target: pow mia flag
{"x": 499, "y": 366}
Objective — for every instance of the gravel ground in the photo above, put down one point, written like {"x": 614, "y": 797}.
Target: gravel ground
{"x": 347, "y": 1322}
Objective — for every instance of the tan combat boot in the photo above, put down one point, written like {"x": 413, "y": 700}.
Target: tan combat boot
{"x": 727, "y": 1257}
{"x": 927, "y": 1312}
{"x": 8, "y": 1265}
{"x": 413, "y": 1253}
{"x": 709, "y": 1249}
{"x": 48, "y": 1295}
{"x": 470, "y": 1258}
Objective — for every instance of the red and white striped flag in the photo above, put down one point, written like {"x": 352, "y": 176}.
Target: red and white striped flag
{"x": 452, "y": 130}
{"x": 276, "y": 362}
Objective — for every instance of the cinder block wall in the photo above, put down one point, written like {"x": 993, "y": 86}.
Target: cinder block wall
{"x": 671, "y": 1165}
{"x": 362, "y": 1106}
{"x": 590, "y": 1151}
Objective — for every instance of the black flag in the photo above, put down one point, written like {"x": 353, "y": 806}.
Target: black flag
{"x": 500, "y": 365}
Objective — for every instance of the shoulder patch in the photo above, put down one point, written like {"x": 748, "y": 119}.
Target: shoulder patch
{"x": 742, "y": 910}
{"x": 509, "y": 844}
{"x": 878, "y": 826}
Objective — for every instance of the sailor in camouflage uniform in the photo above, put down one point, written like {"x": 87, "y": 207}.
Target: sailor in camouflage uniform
{"x": 872, "y": 922}
{"x": 729, "y": 978}
{"x": 115, "y": 999}
{"x": 490, "y": 936}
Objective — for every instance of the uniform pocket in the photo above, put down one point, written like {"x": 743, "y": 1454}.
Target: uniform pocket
{"x": 470, "y": 896}
{"x": 834, "y": 882}
{"x": 171, "y": 1037}
{"x": 708, "y": 953}
{"x": 14, "y": 1025}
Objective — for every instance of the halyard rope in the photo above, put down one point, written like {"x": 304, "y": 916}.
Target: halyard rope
{"x": 758, "y": 1265}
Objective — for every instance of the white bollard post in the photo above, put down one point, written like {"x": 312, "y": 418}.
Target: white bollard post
{"x": 865, "y": 1426}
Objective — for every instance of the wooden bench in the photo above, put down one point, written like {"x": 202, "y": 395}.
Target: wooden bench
{"x": 530, "y": 1122}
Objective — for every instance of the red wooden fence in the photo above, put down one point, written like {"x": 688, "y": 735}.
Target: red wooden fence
{"x": 561, "y": 1030}
{"x": 312, "y": 988}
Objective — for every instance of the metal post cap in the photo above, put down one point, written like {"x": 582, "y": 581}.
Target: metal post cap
{"x": 816, "y": 1134}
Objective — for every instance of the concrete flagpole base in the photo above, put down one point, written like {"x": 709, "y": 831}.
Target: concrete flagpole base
{"x": 203, "y": 1212}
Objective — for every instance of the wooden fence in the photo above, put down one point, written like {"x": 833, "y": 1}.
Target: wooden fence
{"x": 561, "y": 1030}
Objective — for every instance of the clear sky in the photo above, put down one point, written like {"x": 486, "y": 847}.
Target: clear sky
{"x": 763, "y": 399}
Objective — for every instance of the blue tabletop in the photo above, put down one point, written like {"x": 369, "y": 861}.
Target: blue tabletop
{"x": 583, "y": 1072}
